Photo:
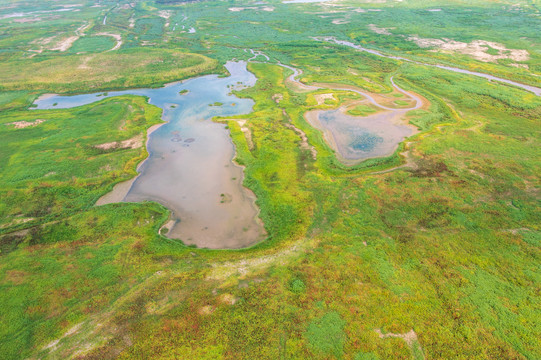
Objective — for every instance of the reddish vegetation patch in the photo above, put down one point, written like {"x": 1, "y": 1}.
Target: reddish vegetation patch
{"x": 17, "y": 277}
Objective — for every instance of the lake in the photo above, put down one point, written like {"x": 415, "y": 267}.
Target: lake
{"x": 190, "y": 169}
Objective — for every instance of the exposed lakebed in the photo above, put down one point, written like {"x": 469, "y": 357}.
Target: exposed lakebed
{"x": 190, "y": 169}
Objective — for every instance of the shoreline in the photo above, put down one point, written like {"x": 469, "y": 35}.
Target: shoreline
{"x": 120, "y": 190}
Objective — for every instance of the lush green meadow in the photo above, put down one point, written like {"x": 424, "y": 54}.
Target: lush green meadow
{"x": 439, "y": 259}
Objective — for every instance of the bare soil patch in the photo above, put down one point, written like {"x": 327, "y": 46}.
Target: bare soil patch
{"x": 133, "y": 143}
{"x": 478, "y": 49}
{"x": 25, "y": 124}
{"x": 320, "y": 98}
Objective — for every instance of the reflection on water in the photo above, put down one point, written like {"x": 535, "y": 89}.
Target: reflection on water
{"x": 189, "y": 168}
{"x": 360, "y": 138}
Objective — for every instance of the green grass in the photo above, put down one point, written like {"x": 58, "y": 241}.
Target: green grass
{"x": 326, "y": 336}
{"x": 401, "y": 102}
{"x": 449, "y": 249}
{"x": 361, "y": 110}
{"x": 135, "y": 67}
{"x": 65, "y": 172}
{"x": 92, "y": 44}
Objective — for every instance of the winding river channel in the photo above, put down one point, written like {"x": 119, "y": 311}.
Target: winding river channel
{"x": 533, "y": 89}
{"x": 190, "y": 169}
{"x": 358, "y": 138}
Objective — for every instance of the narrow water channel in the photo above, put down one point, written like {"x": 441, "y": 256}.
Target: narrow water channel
{"x": 533, "y": 89}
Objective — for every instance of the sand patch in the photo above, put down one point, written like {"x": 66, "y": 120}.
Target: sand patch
{"x": 84, "y": 64}
{"x": 17, "y": 221}
{"x": 27, "y": 20}
{"x": 410, "y": 338}
{"x": 165, "y": 14}
{"x": 277, "y": 98}
{"x": 379, "y": 30}
{"x": 133, "y": 143}
{"x": 25, "y": 124}
{"x": 228, "y": 299}
{"x": 320, "y": 98}
{"x": 264, "y": 8}
{"x": 206, "y": 310}
{"x": 305, "y": 145}
{"x": 340, "y": 21}
{"x": 478, "y": 49}
{"x": 245, "y": 130}
{"x": 225, "y": 270}
{"x": 520, "y": 66}
{"x": 65, "y": 44}
{"x": 71, "y": 331}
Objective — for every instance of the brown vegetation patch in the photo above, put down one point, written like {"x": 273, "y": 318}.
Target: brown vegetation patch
{"x": 16, "y": 277}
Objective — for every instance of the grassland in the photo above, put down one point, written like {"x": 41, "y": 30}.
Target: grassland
{"x": 357, "y": 257}
{"x": 104, "y": 71}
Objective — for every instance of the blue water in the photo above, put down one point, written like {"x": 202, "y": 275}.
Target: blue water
{"x": 356, "y": 138}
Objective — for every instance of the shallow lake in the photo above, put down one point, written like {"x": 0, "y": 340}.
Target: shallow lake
{"x": 190, "y": 168}
{"x": 357, "y": 138}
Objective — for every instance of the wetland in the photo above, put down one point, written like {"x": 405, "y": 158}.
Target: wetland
{"x": 189, "y": 168}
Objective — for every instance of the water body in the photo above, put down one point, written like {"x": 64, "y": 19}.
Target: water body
{"x": 356, "y": 138}
{"x": 533, "y": 89}
{"x": 190, "y": 168}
